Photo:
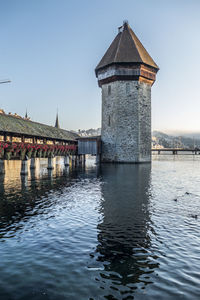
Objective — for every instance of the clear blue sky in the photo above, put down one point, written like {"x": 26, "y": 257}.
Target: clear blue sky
{"x": 50, "y": 48}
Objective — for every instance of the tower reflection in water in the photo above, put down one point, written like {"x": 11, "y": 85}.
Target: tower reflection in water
{"x": 124, "y": 231}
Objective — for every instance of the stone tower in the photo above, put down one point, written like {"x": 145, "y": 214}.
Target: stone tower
{"x": 126, "y": 73}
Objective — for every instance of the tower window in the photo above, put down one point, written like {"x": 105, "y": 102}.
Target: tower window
{"x": 108, "y": 120}
{"x": 128, "y": 88}
{"x": 109, "y": 89}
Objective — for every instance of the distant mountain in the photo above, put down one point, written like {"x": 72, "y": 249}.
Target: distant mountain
{"x": 89, "y": 132}
{"x": 191, "y": 134}
{"x": 160, "y": 139}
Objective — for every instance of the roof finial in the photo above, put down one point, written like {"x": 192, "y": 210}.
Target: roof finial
{"x": 125, "y": 22}
{"x": 125, "y": 25}
{"x": 26, "y": 115}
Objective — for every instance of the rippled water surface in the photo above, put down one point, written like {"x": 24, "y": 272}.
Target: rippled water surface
{"x": 114, "y": 232}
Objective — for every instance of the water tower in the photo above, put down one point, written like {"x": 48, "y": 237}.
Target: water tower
{"x": 125, "y": 74}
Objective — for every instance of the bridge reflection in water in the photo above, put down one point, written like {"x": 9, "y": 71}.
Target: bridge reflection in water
{"x": 21, "y": 194}
{"x": 13, "y": 168}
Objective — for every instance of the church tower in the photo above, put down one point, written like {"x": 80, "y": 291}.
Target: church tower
{"x": 125, "y": 74}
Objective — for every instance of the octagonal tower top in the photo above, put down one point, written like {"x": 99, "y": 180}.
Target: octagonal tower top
{"x": 126, "y": 51}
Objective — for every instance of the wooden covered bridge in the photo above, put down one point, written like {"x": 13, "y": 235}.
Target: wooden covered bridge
{"x": 21, "y": 138}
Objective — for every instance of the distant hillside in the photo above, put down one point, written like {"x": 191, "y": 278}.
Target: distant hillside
{"x": 170, "y": 141}
{"x": 190, "y": 134}
{"x": 159, "y": 139}
{"x": 90, "y": 132}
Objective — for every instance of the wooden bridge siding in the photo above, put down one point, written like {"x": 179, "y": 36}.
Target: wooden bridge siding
{"x": 89, "y": 146}
{"x": 10, "y": 135}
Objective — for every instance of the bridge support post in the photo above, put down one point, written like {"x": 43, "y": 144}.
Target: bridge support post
{"x": 98, "y": 159}
{"x": 84, "y": 159}
{"x": 76, "y": 160}
{"x": 72, "y": 160}
{"x": 24, "y": 167}
{"x": 2, "y": 166}
{"x": 50, "y": 174}
{"x": 32, "y": 166}
{"x": 80, "y": 160}
{"x": 66, "y": 160}
{"x": 50, "y": 163}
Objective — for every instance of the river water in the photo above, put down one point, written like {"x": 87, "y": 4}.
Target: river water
{"x": 114, "y": 232}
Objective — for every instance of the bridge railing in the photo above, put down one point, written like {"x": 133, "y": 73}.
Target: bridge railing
{"x": 9, "y": 150}
{"x": 173, "y": 151}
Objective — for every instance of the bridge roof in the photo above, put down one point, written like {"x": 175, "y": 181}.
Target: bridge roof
{"x": 126, "y": 48}
{"x": 19, "y": 126}
{"x": 89, "y": 137}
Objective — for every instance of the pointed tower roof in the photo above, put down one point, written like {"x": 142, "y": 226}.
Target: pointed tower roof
{"x": 57, "y": 122}
{"x": 126, "y": 48}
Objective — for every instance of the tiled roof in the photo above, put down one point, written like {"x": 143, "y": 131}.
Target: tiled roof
{"x": 126, "y": 48}
{"x": 11, "y": 124}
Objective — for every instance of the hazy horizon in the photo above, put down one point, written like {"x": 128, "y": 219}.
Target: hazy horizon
{"x": 168, "y": 132}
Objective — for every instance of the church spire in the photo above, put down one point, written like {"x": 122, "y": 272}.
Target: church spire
{"x": 26, "y": 115}
{"x": 57, "y": 122}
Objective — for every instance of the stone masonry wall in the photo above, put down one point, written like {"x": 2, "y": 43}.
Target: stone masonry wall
{"x": 126, "y": 122}
{"x": 144, "y": 122}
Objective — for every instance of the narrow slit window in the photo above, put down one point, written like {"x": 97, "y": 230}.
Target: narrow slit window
{"x": 128, "y": 88}
{"x": 108, "y": 120}
{"x": 109, "y": 89}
